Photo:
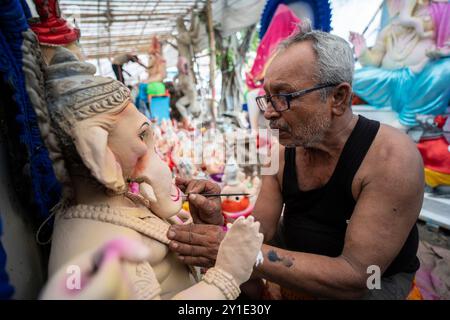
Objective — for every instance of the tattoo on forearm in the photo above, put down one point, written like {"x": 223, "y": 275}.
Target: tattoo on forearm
{"x": 274, "y": 257}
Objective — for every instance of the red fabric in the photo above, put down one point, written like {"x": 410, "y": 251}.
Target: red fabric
{"x": 283, "y": 24}
{"x": 435, "y": 154}
{"x": 357, "y": 100}
{"x": 51, "y": 28}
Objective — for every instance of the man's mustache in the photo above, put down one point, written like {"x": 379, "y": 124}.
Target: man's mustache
{"x": 276, "y": 126}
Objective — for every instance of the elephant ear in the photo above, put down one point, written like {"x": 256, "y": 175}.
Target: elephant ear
{"x": 91, "y": 142}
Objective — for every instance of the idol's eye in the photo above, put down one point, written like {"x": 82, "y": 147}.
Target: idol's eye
{"x": 143, "y": 135}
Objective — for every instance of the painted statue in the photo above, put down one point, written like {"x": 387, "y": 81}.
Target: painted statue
{"x": 238, "y": 204}
{"x": 187, "y": 42}
{"x": 188, "y": 39}
{"x": 156, "y": 70}
{"x": 185, "y": 83}
{"x": 433, "y": 141}
{"x": 156, "y": 62}
{"x": 53, "y": 30}
{"x": 115, "y": 187}
{"x": 408, "y": 68}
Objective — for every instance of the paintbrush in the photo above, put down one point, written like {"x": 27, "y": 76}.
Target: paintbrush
{"x": 207, "y": 195}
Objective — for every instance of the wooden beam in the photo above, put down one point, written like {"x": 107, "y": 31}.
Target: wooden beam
{"x": 128, "y": 6}
{"x": 99, "y": 11}
{"x": 160, "y": 15}
{"x": 96, "y": 13}
{"x": 126, "y": 26}
{"x": 138, "y": 19}
{"x": 130, "y": 25}
{"x": 110, "y": 54}
{"x": 122, "y": 5}
{"x": 125, "y": 3}
{"x": 91, "y": 21}
{"x": 89, "y": 39}
{"x": 136, "y": 41}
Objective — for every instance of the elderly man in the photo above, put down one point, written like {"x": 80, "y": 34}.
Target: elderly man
{"x": 352, "y": 188}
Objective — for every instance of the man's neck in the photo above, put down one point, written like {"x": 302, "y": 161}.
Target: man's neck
{"x": 334, "y": 140}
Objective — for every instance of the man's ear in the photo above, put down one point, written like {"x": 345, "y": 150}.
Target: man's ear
{"x": 341, "y": 98}
{"x": 91, "y": 142}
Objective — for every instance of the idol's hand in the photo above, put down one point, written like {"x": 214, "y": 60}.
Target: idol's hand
{"x": 359, "y": 43}
{"x": 239, "y": 249}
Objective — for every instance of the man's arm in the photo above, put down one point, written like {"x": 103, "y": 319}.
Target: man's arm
{"x": 268, "y": 206}
{"x": 386, "y": 210}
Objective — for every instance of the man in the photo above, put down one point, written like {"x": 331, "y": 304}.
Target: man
{"x": 120, "y": 60}
{"x": 352, "y": 188}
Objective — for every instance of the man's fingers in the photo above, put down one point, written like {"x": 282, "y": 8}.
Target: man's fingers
{"x": 197, "y": 261}
{"x": 187, "y": 236}
{"x": 196, "y": 186}
{"x": 181, "y": 183}
{"x": 199, "y": 201}
{"x": 202, "y": 186}
{"x": 191, "y": 250}
{"x": 209, "y": 205}
{"x": 202, "y": 209}
{"x": 205, "y": 210}
{"x": 198, "y": 233}
{"x": 181, "y": 233}
{"x": 212, "y": 187}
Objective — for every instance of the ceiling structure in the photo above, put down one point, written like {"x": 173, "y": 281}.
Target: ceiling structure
{"x": 109, "y": 27}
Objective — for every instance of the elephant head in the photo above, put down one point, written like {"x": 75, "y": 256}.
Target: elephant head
{"x": 126, "y": 152}
{"x": 96, "y": 124}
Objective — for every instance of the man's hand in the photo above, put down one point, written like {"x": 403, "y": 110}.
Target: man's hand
{"x": 203, "y": 210}
{"x": 196, "y": 244}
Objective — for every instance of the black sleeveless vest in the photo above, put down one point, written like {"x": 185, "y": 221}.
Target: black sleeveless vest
{"x": 315, "y": 221}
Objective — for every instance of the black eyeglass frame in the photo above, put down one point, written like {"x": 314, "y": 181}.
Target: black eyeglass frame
{"x": 290, "y": 96}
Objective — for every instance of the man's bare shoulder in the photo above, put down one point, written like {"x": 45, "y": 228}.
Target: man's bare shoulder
{"x": 393, "y": 158}
{"x": 394, "y": 146}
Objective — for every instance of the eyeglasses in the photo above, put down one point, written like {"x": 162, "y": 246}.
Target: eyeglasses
{"x": 282, "y": 102}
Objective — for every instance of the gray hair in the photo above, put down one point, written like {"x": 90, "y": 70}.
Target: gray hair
{"x": 334, "y": 57}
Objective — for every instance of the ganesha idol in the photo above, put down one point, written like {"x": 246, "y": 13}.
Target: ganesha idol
{"x": 408, "y": 68}
{"x": 101, "y": 145}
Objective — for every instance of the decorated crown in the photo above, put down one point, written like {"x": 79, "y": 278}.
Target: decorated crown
{"x": 75, "y": 94}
